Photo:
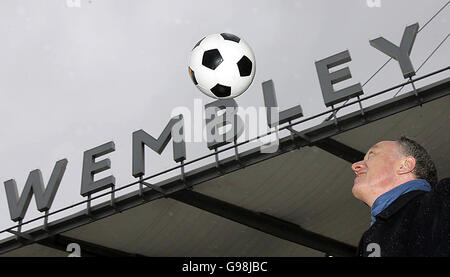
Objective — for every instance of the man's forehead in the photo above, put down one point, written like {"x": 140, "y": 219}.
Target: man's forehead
{"x": 383, "y": 144}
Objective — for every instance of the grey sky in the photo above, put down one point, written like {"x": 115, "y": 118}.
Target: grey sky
{"x": 74, "y": 78}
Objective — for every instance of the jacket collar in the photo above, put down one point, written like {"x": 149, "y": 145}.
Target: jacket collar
{"x": 399, "y": 203}
{"x": 390, "y": 196}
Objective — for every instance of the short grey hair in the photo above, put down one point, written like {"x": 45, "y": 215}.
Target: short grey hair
{"x": 425, "y": 168}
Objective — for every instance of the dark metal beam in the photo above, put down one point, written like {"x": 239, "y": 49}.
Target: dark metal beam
{"x": 340, "y": 150}
{"x": 208, "y": 172}
{"x": 265, "y": 223}
{"x": 88, "y": 249}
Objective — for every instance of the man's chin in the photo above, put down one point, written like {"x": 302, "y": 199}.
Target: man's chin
{"x": 356, "y": 189}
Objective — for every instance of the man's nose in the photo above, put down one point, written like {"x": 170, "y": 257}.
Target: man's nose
{"x": 356, "y": 167}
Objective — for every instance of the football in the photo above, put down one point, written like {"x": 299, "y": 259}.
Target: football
{"x": 222, "y": 65}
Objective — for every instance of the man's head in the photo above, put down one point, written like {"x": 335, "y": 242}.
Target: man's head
{"x": 389, "y": 164}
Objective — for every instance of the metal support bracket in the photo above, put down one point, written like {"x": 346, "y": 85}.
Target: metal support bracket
{"x": 46, "y": 221}
{"x": 303, "y": 136}
{"x": 236, "y": 155}
{"x": 293, "y": 134}
{"x": 361, "y": 108}
{"x": 334, "y": 116}
{"x": 183, "y": 176}
{"x": 419, "y": 99}
{"x": 88, "y": 207}
{"x": 141, "y": 191}
{"x": 113, "y": 198}
{"x": 20, "y": 235}
{"x": 157, "y": 188}
{"x": 216, "y": 156}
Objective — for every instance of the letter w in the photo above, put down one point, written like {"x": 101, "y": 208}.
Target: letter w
{"x": 34, "y": 185}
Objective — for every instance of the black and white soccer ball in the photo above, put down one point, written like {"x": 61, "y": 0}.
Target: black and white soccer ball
{"x": 222, "y": 66}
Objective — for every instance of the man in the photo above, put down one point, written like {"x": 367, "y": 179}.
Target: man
{"x": 410, "y": 210}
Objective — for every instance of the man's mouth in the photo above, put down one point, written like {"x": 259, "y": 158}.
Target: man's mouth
{"x": 357, "y": 180}
{"x": 360, "y": 173}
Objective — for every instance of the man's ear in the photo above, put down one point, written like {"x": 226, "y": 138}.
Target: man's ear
{"x": 407, "y": 165}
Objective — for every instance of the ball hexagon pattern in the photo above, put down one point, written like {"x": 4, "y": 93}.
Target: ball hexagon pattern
{"x": 222, "y": 66}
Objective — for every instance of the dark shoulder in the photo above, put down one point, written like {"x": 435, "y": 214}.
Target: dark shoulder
{"x": 440, "y": 194}
{"x": 443, "y": 186}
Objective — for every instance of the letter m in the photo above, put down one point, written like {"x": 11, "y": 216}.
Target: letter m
{"x": 174, "y": 129}
{"x": 34, "y": 185}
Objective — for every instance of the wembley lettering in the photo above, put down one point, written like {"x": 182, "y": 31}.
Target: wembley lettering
{"x": 174, "y": 131}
